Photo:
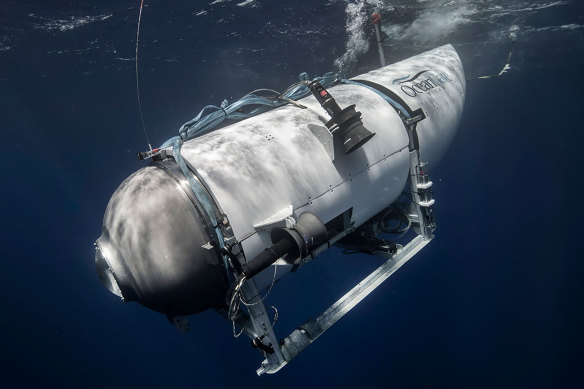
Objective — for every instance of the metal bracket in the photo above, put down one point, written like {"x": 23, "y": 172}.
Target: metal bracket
{"x": 156, "y": 154}
{"x": 325, "y": 137}
{"x": 283, "y": 218}
{"x": 421, "y": 211}
{"x": 421, "y": 191}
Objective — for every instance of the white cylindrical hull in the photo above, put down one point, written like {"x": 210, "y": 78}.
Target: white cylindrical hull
{"x": 260, "y": 166}
{"x": 159, "y": 245}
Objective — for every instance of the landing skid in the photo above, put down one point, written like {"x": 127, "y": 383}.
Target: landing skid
{"x": 308, "y": 332}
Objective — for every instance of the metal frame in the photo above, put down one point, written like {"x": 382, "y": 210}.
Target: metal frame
{"x": 310, "y": 330}
{"x": 257, "y": 324}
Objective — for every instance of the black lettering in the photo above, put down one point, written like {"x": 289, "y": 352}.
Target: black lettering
{"x": 432, "y": 83}
{"x": 412, "y": 92}
{"x": 445, "y": 77}
{"x": 419, "y": 86}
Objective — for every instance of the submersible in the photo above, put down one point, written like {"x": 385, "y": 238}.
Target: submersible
{"x": 264, "y": 195}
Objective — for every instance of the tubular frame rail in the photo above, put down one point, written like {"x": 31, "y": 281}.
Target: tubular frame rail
{"x": 257, "y": 324}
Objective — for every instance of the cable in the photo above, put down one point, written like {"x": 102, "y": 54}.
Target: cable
{"x": 267, "y": 293}
{"x": 275, "y": 315}
{"x": 249, "y": 105}
{"x": 137, "y": 79}
{"x": 236, "y": 298}
{"x": 403, "y": 215}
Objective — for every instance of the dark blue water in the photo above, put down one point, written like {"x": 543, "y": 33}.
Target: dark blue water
{"x": 495, "y": 300}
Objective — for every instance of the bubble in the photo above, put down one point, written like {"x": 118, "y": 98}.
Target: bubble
{"x": 357, "y": 44}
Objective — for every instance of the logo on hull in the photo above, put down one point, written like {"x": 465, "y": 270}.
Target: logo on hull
{"x": 413, "y": 87}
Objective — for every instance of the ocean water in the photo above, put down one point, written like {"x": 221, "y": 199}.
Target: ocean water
{"x": 495, "y": 300}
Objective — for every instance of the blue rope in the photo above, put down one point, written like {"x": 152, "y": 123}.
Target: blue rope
{"x": 249, "y": 105}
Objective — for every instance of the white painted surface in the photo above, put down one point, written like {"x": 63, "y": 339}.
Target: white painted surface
{"x": 259, "y": 166}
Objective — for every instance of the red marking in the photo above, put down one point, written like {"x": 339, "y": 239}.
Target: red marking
{"x": 376, "y": 17}
{"x": 155, "y": 150}
{"x": 323, "y": 93}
